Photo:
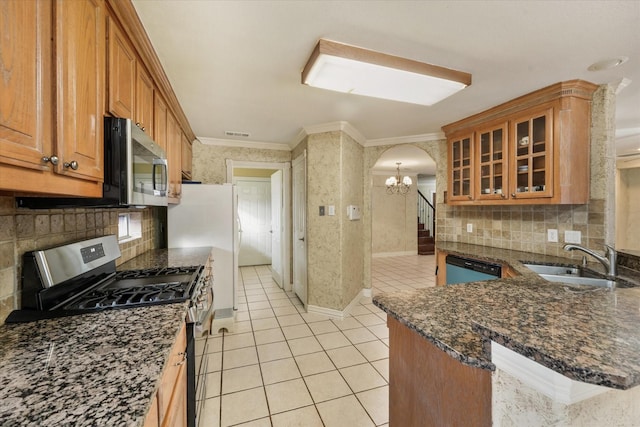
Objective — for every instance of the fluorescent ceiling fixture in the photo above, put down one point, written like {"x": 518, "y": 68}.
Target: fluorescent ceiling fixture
{"x": 344, "y": 68}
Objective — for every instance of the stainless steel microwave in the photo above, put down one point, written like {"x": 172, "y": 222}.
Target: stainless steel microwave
{"x": 135, "y": 172}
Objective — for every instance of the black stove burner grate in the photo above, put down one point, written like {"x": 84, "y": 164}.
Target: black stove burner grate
{"x": 155, "y": 272}
{"x": 131, "y": 297}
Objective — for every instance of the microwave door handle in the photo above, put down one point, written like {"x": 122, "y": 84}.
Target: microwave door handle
{"x": 163, "y": 180}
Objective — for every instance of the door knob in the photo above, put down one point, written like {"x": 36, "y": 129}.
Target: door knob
{"x": 302, "y": 238}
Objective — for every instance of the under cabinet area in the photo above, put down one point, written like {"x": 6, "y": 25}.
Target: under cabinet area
{"x": 506, "y": 270}
{"x": 532, "y": 150}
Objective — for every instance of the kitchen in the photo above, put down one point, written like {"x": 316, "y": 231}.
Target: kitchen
{"x": 31, "y": 230}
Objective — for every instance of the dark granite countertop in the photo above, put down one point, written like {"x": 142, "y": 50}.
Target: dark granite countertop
{"x": 96, "y": 369}
{"x": 587, "y": 334}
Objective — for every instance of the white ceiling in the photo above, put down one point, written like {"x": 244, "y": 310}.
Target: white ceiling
{"x": 235, "y": 65}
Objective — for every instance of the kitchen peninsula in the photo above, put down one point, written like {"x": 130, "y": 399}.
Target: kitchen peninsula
{"x": 586, "y": 336}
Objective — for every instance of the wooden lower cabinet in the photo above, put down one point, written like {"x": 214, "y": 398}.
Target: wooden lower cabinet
{"x": 427, "y": 387}
{"x": 169, "y": 406}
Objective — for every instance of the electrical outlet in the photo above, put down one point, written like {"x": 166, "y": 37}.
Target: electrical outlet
{"x": 469, "y": 228}
{"x": 552, "y": 235}
{"x": 332, "y": 210}
{"x": 571, "y": 236}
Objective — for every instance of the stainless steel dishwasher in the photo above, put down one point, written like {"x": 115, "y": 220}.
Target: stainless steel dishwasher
{"x": 464, "y": 270}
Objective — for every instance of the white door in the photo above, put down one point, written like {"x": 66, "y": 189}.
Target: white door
{"x": 276, "y": 227}
{"x": 299, "y": 173}
{"x": 254, "y": 212}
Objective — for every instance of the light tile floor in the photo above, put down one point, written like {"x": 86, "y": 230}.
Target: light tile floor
{"x": 282, "y": 366}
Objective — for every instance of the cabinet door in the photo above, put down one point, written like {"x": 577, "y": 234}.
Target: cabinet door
{"x": 80, "y": 66}
{"x": 174, "y": 157}
{"x": 461, "y": 168}
{"x": 491, "y": 156}
{"x": 122, "y": 73}
{"x": 531, "y": 164}
{"x": 26, "y": 107}
{"x": 144, "y": 101}
{"x": 160, "y": 121}
{"x": 187, "y": 157}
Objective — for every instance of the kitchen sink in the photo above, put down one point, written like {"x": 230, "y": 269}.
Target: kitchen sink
{"x": 553, "y": 269}
{"x": 569, "y": 275}
{"x": 579, "y": 280}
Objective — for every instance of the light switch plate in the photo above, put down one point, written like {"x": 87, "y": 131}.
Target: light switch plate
{"x": 332, "y": 210}
{"x": 552, "y": 235}
{"x": 571, "y": 236}
{"x": 469, "y": 228}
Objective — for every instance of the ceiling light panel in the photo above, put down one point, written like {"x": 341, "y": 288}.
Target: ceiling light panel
{"x": 350, "y": 69}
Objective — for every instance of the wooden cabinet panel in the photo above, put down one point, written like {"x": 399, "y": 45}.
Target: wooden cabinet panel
{"x": 187, "y": 157}
{"x": 173, "y": 378}
{"x": 176, "y": 415}
{"x": 174, "y": 157}
{"x": 26, "y": 102}
{"x": 122, "y": 73}
{"x": 160, "y": 112}
{"x": 492, "y": 155}
{"x": 152, "y": 416}
{"x": 144, "y": 101}
{"x": 80, "y": 69}
{"x": 427, "y": 387}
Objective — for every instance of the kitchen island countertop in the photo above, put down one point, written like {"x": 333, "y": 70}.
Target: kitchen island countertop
{"x": 95, "y": 369}
{"x": 587, "y": 334}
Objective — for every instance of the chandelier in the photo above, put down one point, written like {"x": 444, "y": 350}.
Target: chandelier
{"x": 397, "y": 186}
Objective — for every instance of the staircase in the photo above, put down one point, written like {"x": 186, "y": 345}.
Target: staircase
{"x": 426, "y": 216}
{"x": 426, "y": 242}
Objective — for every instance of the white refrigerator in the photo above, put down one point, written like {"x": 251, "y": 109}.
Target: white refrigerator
{"x": 207, "y": 216}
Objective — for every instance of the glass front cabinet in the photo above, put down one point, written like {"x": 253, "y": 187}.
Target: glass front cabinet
{"x": 461, "y": 168}
{"x": 532, "y": 150}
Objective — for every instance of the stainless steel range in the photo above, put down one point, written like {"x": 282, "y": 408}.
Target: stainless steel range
{"x": 81, "y": 277}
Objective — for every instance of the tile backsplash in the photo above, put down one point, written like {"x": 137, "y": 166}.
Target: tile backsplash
{"x": 23, "y": 230}
{"x": 523, "y": 228}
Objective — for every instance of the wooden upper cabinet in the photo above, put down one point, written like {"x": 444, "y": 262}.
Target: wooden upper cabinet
{"x": 144, "y": 101}
{"x": 160, "y": 113}
{"x": 122, "y": 73}
{"x": 34, "y": 48}
{"x": 25, "y": 109}
{"x": 187, "y": 157}
{"x": 80, "y": 67}
{"x": 532, "y": 150}
{"x": 174, "y": 158}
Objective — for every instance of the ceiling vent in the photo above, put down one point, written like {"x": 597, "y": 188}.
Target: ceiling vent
{"x": 236, "y": 133}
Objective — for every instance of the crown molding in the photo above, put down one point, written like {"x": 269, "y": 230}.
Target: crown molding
{"x": 342, "y": 126}
{"x": 244, "y": 144}
{"x": 411, "y": 139}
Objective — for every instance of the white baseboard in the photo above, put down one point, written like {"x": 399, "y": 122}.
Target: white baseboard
{"x": 339, "y": 314}
{"x": 390, "y": 254}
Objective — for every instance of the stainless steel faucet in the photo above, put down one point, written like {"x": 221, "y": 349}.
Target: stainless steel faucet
{"x": 608, "y": 260}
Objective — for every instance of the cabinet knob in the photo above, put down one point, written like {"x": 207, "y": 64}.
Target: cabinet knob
{"x": 504, "y": 196}
{"x": 140, "y": 126}
{"x": 469, "y": 196}
{"x": 72, "y": 164}
{"x": 53, "y": 159}
{"x": 513, "y": 195}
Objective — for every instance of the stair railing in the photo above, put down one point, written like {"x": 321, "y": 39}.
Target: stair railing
{"x": 426, "y": 214}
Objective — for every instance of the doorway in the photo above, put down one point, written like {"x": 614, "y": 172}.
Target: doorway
{"x": 266, "y": 230}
